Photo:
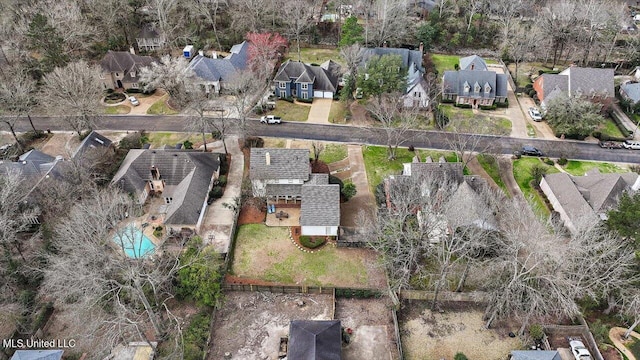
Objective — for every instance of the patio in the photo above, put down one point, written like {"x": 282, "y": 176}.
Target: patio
{"x": 284, "y": 216}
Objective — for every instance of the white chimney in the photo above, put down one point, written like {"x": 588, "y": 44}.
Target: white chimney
{"x": 267, "y": 156}
{"x": 214, "y": 54}
{"x": 200, "y": 52}
{"x": 132, "y": 50}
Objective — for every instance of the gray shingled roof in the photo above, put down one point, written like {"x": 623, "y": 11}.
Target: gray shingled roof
{"x": 466, "y": 208}
{"x": 37, "y": 355}
{"x": 453, "y": 82}
{"x": 187, "y": 175}
{"x": 318, "y": 179}
{"x": 315, "y": 340}
{"x": 332, "y": 67}
{"x": 478, "y": 63}
{"x": 409, "y": 57}
{"x": 603, "y": 190}
{"x": 320, "y": 205}
{"x": 322, "y": 79}
{"x": 92, "y": 141}
{"x": 535, "y": 355}
{"x": 550, "y": 82}
{"x": 439, "y": 171}
{"x": 589, "y": 81}
{"x": 285, "y": 164}
{"x": 570, "y": 198}
{"x": 284, "y": 189}
{"x": 224, "y": 69}
{"x": 125, "y": 62}
{"x": 632, "y": 91}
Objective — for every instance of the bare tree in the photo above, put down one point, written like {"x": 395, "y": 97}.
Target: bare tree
{"x": 16, "y": 213}
{"x": 73, "y": 92}
{"x": 198, "y": 107}
{"x": 521, "y": 43}
{"x": 352, "y": 55}
{"x": 209, "y": 10}
{"x": 559, "y": 21}
{"x": 318, "y": 148}
{"x": 171, "y": 75}
{"x": 395, "y": 119}
{"x": 298, "y": 16}
{"x": 465, "y": 142}
{"x": 505, "y": 12}
{"x": 390, "y": 23}
{"x": 246, "y": 89}
{"x": 18, "y": 94}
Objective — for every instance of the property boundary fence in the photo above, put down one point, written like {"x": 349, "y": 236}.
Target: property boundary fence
{"x": 573, "y": 330}
{"x": 302, "y": 289}
{"x": 396, "y": 327}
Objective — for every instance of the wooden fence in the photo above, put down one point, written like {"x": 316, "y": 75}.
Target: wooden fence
{"x": 302, "y": 289}
{"x": 576, "y": 330}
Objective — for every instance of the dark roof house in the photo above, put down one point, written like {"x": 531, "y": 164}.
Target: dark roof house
{"x": 315, "y": 340}
{"x": 273, "y": 164}
{"x": 320, "y": 202}
{"x": 474, "y": 84}
{"x": 210, "y": 70}
{"x": 473, "y": 62}
{"x": 296, "y": 78}
{"x": 187, "y": 177}
{"x": 575, "y": 81}
{"x": 410, "y": 58}
{"x": 37, "y": 355}
{"x": 126, "y": 63}
{"x": 92, "y": 141}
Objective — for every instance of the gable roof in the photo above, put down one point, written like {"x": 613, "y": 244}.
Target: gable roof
{"x": 466, "y": 208}
{"x": 588, "y": 81}
{"x": 92, "y": 141}
{"x": 632, "y": 91}
{"x": 535, "y": 355}
{"x": 409, "y": 57}
{"x": 284, "y": 164}
{"x": 332, "y": 67}
{"x": 437, "y": 170}
{"x": 454, "y": 82}
{"x": 603, "y": 190}
{"x": 125, "y": 62}
{"x": 473, "y": 62}
{"x": 315, "y": 340}
{"x": 570, "y": 198}
{"x": 37, "y": 355}
{"x": 320, "y": 205}
{"x": 186, "y": 174}
{"x": 221, "y": 69}
{"x": 321, "y": 78}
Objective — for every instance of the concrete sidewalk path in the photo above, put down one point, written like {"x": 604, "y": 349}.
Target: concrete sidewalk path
{"x": 319, "y": 113}
{"x": 218, "y": 222}
{"x": 615, "y": 334}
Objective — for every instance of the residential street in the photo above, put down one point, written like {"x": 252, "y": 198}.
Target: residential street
{"x": 358, "y": 135}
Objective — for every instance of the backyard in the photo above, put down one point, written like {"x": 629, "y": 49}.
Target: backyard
{"x": 267, "y": 254}
{"x": 445, "y": 62}
{"x": 522, "y": 173}
{"x": 290, "y": 111}
{"x": 314, "y": 56}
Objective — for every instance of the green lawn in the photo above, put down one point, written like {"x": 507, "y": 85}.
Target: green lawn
{"x": 579, "y": 168}
{"x": 466, "y": 121}
{"x": 522, "y": 173}
{"x": 490, "y": 165}
{"x": 531, "y": 131}
{"x": 333, "y": 153}
{"x": 610, "y": 128}
{"x": 117, "y": 110}
{"x": 314, "y": 56}
{"x": 160, "y": 107}
{"x": 338, "y": 112}
{"x": 157, "y": 139}
{"x": 267, "y": 253}
{"x": 634, "y": 347}
{"x": 290, "y": 111}
{"x": 445, "y": 62}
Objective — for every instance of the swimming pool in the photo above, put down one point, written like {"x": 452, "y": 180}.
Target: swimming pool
{"x": 134, "y": 243}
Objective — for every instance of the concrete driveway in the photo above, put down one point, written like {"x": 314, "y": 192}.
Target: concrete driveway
{"x": 542, "y": 128}
{"x": 145, "y": 102}
{"x": 319, "y": 113}
{"x": 364, "y": 199}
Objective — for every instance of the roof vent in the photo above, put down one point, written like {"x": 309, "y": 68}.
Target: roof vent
{"x": 267, "y": 156}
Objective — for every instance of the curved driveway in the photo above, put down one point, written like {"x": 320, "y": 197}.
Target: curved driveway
{"x": 357, "y": 135}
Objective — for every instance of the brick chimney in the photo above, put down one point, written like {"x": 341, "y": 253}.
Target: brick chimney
{"x": 267, "y": 156}
{"x": 132, "y": 50}
{"x": 421, "y": 48}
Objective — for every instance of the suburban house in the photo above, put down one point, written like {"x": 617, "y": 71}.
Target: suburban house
{"x": 535, "y": 355}
{"x": 37, "y": 355}
{"x": 416, "y": 93}
{"x": 315, "y": 339}
{"x": 575, "y": 81}
{"x": 213, "y": 72}
{"x": 586, "y": 199}
{"x": 474, "y": 84}
{"x": 181, "y": 178}
{"x": 284, "y": 176}
{"x": 631, "y": 92}
{"x": 92, "y": 141}
{"x": 304, "y": 81}
{"x": 149, "y": 39}
{"x": 465, "y": 207}
{"x": 121, "y": 69}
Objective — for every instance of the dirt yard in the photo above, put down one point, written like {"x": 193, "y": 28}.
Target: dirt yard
{"x": 372, "y": 324}
{"x": 253, "y": 212}
{"x": 427, "y": 335}
{"x": 250, "y": 324}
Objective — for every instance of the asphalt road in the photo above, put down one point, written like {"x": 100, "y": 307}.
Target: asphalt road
{"x": 361, "y": 135}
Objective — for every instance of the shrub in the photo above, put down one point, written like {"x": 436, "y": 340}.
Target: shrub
{"x": 312, "y": 242}
{"x": 532, "y": 93}
{"x": 349, "y": 190}
{"x": 460, "y": 356}
{"x": 536, "y": 332}
{"x": 411, "y": 148}
{"x": 308, "y": 101}
{"x": 133, "y": 141}
{"x": 380, "y": 195}
{"x": 222, "y": 180}
{"x": 336, "y": 180}
{"x": 216, "y": 135}
{"x": 562, "y": 161}
{"x": 216, "y": 192}
{"x": 187, "y": 144}
{"x": 597, "y": 135}
{"x": 195, "y": 336}
{"x": 488, "y": 107}
{"x": 463, "y": 106}
{"x": 548, "y": 161}
{"x": 528, "y": 86}
{"x": 504, "y": 104}
{"x": 537, "y": 171}
{"x": 288, "y": 99}
{"x": 253, "y": 142}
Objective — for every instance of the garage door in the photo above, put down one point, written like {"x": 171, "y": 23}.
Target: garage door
{"x": 323, "y": 94}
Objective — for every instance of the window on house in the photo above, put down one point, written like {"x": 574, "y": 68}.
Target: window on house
{"x": 150, "y": 185}
{"x": 466, "y": 87}
{"x": 117, "y": 74}
{"x": 476, "y": 88}
{"x": 487, "y": 89}
{"x": 304, "y": 86}
{"x": 168, "y": 200}
{"x": 416, "y": 94}
{"x": 134, "y": 85}
{"x": 283, "y": 85}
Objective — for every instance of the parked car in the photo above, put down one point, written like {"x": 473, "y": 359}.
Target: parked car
{"x": 535, "y": 114}
{"x": 610, "y": 144}
{"x": 134, "y": 101}
{"x": 579, "y": 351}
{"x": 630, "y": 144}
{"x": 270, "y": 119}
{"x": 531, "y": 151}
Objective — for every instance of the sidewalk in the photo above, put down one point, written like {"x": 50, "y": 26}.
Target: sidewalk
{"x": 626, "y": 121}
{"x": 218, "y": 222}
{"x": 615, "y": 334}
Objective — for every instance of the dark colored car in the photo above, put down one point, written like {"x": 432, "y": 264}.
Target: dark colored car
{"x": 531, "y": 151}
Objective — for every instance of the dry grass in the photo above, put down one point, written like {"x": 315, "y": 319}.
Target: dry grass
{"x": 442, "y": 335}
